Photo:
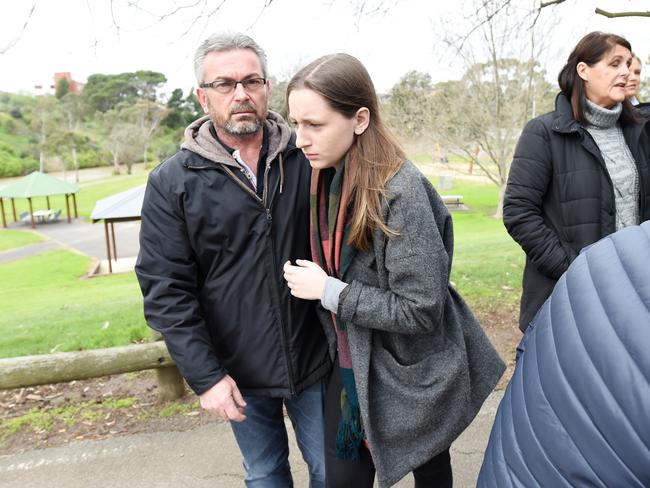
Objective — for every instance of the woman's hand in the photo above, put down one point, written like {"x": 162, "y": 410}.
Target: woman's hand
{"x": 306, "y": 279}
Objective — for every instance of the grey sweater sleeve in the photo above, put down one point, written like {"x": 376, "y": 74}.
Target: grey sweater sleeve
{"x": 331, "y": 291}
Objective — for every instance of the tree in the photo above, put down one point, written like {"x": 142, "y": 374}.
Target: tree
{"x": 488, "y": 108}
{"x": 44, "y": 123}
{"x": 502, "y": 88}
{"x": 181, "y": 111}
{"x": 104, "y": 92}
{"x": 73, "y": 111}
{"x": 147, "y": 116}
{"x": 277, "y": 97}
{"x": 409, "y": 107}
{"x": 62, "y": 88}
{"x": 128, "y": 130}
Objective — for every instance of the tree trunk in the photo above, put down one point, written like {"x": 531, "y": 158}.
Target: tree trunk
{"x": 502, "y": 194}
{"x": 75, "y": 164}
{"x": 41, "y": 165}
{"x": 116, "y": 165}
{"x": 144, "y": 156}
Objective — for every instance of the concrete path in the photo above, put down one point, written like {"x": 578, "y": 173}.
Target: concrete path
{"x": 206, "y": 457}
{"x": 26, "y": 251}
{"x": 81, "y": 236}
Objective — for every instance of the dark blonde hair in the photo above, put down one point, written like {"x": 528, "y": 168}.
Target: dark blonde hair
{"x": 344, "y": 82}
{"x": 590, "y": 50}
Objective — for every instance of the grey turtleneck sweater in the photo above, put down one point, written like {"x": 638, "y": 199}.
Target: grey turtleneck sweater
{"x": 606, "y": 131}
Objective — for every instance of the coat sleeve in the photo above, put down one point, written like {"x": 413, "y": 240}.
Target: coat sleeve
{"x": 167, "y": 273}
{"x": 417, "y": 268}
{"x": 530, "y": 176}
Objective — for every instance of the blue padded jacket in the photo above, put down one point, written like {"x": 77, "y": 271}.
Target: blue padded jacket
{"x": 577, "y": 409}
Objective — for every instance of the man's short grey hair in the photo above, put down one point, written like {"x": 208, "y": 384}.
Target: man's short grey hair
{"x": 226, "y": 42}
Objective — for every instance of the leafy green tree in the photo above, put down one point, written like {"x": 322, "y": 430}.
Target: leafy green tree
{"x": 104, "y": 92}
{"x": 182, "y": 110}
{"x": 62, "y": 88}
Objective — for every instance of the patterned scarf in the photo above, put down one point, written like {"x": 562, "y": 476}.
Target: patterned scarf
{"x": 330, "y": 229}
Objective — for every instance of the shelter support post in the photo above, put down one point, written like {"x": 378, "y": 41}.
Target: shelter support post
{"x": 74, "y": 202}
{"x": 108, "y": 247}
{"x": 113, "y": 239}
{"x": 2, "y": 208}
{"x": 67, "y": 206}
{"x": 13, "y": 207}
{"x": 31, "y": 212}
{"x": 47, "y": 199}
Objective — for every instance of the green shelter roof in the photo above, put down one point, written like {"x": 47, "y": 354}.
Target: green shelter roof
{"x": 37, "y": 184}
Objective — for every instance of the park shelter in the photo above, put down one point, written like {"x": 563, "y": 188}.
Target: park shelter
{"x": 122, "y": 207}
{"x": 37, "y": 184}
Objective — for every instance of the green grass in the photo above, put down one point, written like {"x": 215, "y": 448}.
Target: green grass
{"x": 46, "y": 307}
{"x": 12, "y": 239}
{"x": 487, "y": 263}
{"x": 96, "y": 190}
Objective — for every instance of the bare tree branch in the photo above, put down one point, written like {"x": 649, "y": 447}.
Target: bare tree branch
{"x": 613, "y": 15}
{"x": 549, "y": 3}
{"x": 22, "y": 31}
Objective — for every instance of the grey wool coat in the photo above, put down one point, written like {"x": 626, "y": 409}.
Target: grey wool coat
{"x": 422, "y": 363}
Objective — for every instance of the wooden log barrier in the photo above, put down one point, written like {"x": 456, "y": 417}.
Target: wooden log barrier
{"x": 80, "y": 365}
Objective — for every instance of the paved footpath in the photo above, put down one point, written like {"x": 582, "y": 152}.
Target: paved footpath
{"x": 205, "y": 457}
{"x": 81, "y": 236}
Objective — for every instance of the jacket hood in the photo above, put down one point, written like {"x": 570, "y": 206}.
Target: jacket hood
{"x": 200, "y": 140}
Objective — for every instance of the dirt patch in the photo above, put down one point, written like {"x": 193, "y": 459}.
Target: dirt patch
{"x": 500, "y": 324}
{"x": 56, "y": 415}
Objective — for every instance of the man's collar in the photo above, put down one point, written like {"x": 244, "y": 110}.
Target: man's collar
{"x": 265, "y": 138}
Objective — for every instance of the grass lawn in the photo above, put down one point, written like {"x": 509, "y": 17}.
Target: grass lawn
{"x": 46, "y": 307}
{"x": 11, "y": 239}
{"x": 487, "y": 262}
{"x": 96, "y": 190}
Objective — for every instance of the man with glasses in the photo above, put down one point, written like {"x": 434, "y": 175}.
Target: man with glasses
{"x": 219, "y": 220}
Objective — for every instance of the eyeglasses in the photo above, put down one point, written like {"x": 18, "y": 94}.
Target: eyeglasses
{"x": 228, "y": 86}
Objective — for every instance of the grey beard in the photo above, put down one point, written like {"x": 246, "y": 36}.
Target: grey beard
{"x": 242, "y": 128}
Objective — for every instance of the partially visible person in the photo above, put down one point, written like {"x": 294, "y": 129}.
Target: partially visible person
{"x": 219, "y": 220}
{"x": 577, "y": 409}
{"x": 633, "y": 84}
{"x": 413, "y": 365}
{"x": 580, "y": 172}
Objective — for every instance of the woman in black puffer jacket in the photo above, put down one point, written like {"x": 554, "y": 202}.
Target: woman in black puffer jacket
{"x": 580, "y": 172}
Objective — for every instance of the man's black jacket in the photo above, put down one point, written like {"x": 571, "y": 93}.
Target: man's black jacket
{"x": 210, "y": 266}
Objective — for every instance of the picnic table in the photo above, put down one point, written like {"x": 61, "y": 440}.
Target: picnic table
{"x": 43, "y": 215}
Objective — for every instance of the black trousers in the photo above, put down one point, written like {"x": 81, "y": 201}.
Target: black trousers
{"x": 435, "y": 473}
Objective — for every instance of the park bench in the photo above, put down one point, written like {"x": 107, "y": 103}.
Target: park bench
{"x": 455, "y": 200}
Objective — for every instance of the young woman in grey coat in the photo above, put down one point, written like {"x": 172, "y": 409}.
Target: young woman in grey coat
{"x": 413, "y": 365}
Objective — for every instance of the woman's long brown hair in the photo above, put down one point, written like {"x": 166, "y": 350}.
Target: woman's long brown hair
{"x": 375, "y": 155}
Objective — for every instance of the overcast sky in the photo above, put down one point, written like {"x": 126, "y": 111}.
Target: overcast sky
{"x": 80, "y": 36}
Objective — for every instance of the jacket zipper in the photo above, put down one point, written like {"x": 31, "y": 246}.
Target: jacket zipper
{"x": 263, "y": 203}
{"x": 283, "y": 332}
